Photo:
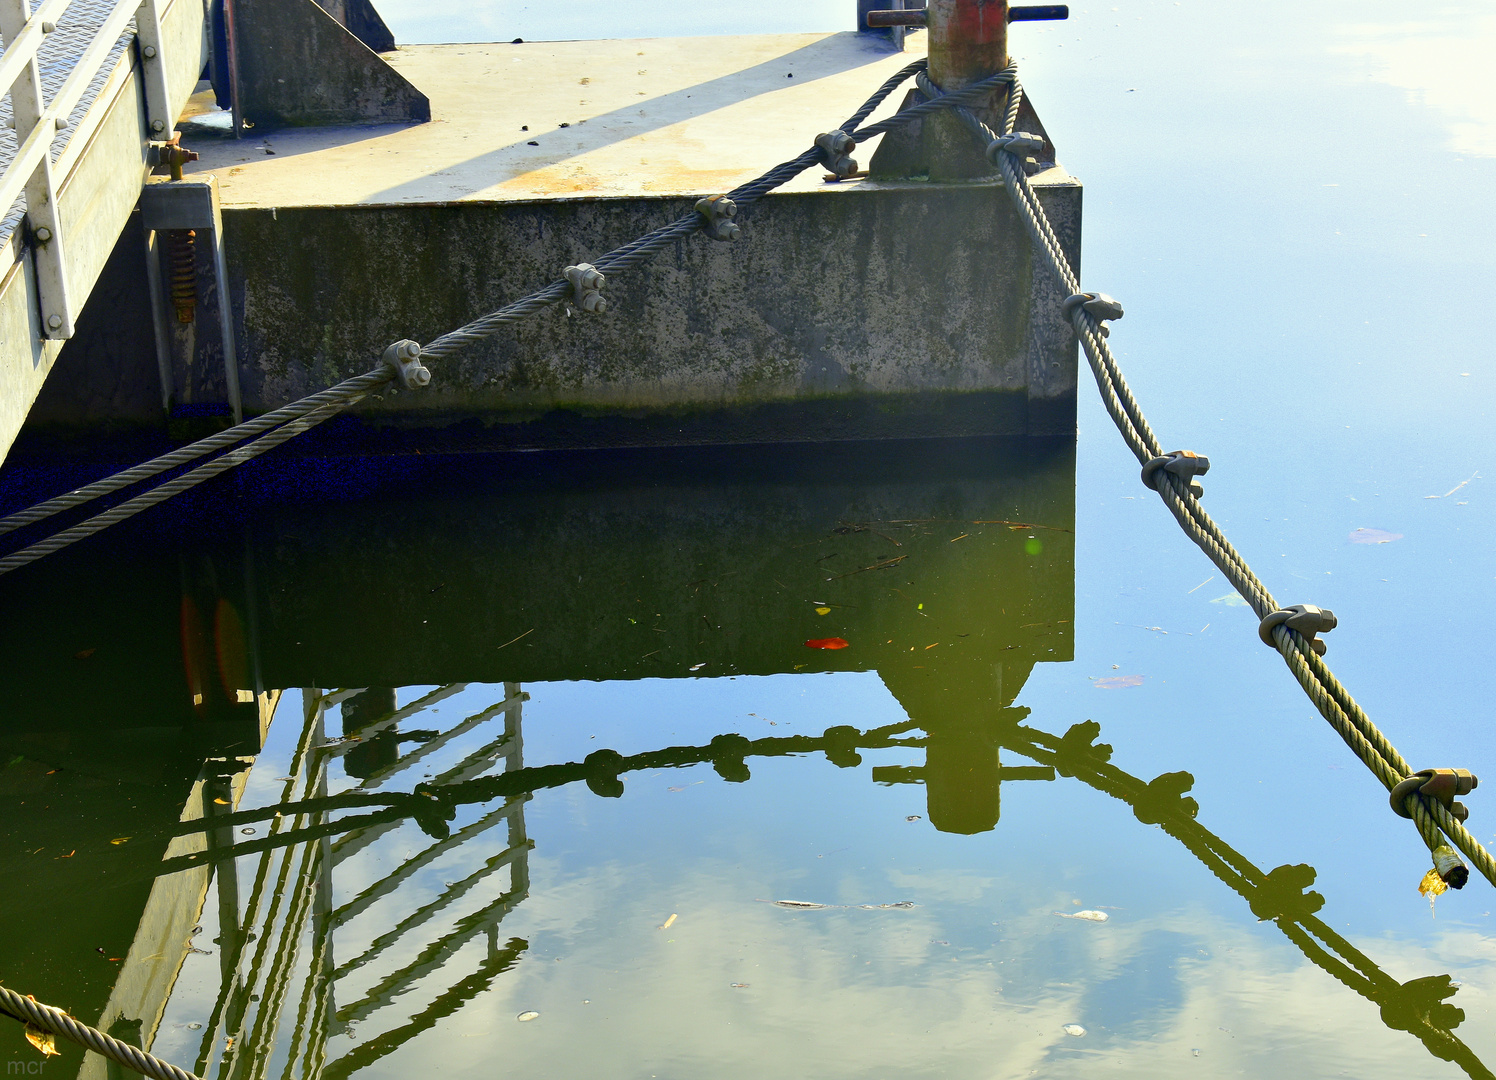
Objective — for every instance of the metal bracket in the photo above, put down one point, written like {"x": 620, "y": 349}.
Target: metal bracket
{"x": 182, "y": 205}
{"x": 1099, "y": 306}
{"x": 153, "y": 70}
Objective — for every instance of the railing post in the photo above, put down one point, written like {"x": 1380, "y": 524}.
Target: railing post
{"x": 41, "y": 193}
{"x": 153, "y": 71}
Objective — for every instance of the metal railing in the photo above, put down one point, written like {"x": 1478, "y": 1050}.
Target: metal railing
{"x": 39, "y": 120}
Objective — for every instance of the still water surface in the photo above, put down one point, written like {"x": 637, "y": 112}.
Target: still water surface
{"x": 1295, "y": 207}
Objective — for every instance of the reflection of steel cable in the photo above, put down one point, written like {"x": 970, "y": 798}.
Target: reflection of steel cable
{"x": 1433, "y": 819}
{"x": 1073, "y": 754}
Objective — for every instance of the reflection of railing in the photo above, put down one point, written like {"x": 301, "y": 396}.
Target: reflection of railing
{"x": 260, "y": 949}
{"x": 1419, "y": 1006}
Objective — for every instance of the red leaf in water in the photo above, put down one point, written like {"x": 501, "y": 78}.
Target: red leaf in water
{"x": 826, "y": 643}
{"x": 1116, "y": 682}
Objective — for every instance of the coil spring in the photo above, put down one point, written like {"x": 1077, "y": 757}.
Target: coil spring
{"x": 181, "y": 255}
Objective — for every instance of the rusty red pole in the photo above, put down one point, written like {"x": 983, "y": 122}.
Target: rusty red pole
{"x": 968, "y": 40}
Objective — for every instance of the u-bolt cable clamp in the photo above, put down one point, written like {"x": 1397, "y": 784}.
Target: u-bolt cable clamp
{"x": 1021, "y": 144}
{"x": 1185, "y": 464}
{"x": 586, "y": 288}
{"x": 719, "y": 211}
{"x": 1440, "y": 784}
{"x": 405, "y": 357}
{"x": 836, "y": 148}
{"x": 1307, "y": 619}
{"x": 1098, "y": 305}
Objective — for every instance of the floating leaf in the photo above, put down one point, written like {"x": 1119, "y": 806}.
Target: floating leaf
{"x": 697, "y": 667}
{"x": 221, "y": 802}
{"x": 84, "y": 654}
{"x": 738, "y": 986}
{"x": 1374, "y": 536}
{"x": 119, "y": 840}
{"x": 44, "y": 1041}
{"x": 826, "y": 643}
{"x": 1086, "y": 916}
{"x": 800, "y": 905}
{"x": 823, "y": 611}
{"x": 527, "y": 1016}
{"x": 1231, "y": 599}
{"x": 1073, "y": 1029}
{"x": 1117, "y": 682}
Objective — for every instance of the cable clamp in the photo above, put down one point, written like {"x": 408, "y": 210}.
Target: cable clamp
{"x": 719, "y": 211}
{"x": 1440, "y": 784}
{"x": 1021, "y": 144}
{"x": 1185, "y": 464}
{"x": 1307, "y": 619}
{"x": 1098, "y": 305}
{"x": 836, "y": 148}
{"x": 586, "y": 288}
{"x": 405, "y": 357}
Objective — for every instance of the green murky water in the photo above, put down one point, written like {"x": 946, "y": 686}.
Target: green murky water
{"x": 615, "y": 752}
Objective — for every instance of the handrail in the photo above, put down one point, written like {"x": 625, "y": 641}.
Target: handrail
{"x": 54, "y": 117}
{"x": 18, "y": 53}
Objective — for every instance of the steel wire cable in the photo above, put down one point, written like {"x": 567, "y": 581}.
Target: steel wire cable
{"x": 1433, "y": 820}
{"x": 57, "y": 1022}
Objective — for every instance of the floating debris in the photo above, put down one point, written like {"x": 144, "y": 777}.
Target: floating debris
{"x": 806, "y": 905}
{"x": 1118, "y": 682}
{"x": 826, "y": 643}
{"x": 799, "y": 905}
{"x": 1073, "y": 1029}
{"x": 739, "y": 986}
{"x": 668, "y": 923}
{"x": 1374, "y": 536}
{"x": 526, "y": 1017}
{"x": 1088, "y": 915}
{"x": 914, "y": 817}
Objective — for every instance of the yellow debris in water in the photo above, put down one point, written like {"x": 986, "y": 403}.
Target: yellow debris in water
{"x": 670, "y": 922}
{"x": 823, "y": 611}
{"x": 44, "y": 1041}
{"x": 1431, "y": 886}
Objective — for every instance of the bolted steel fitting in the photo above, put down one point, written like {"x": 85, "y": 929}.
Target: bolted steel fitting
{"x": 1307, "y": 619}
{"x": 405, "y": 357}
{"x": 1099, "y": 306}
{"x": 836, "y": 148}
{"x": 1020, "y": 144}
{"x": 719, "y": 211}
{"x": 1185, "y": 464}
{"x": 586, "y": 288}
{"x": 1440, "y": 784}
{"x": 169, "y": 153}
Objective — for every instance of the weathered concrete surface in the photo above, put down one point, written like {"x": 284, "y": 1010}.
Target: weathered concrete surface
{"x": 917, "y": 296}
{"x": 298, "y": 65}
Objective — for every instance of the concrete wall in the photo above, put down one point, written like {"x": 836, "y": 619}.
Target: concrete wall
{"x": 854, "y": 311}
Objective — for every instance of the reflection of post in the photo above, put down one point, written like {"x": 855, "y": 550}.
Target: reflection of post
{"x": 218, "y": 797}
{"x": 514, "y": 758}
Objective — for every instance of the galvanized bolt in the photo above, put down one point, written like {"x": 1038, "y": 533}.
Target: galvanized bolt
{"x": 48, "y": 27}
{"x": 54, "y": 321}
{"x": 149, "y": 52}
{"x": 43, "y": 234}
{"x": 62, "y": 122}
{"x": 158, "y": 125}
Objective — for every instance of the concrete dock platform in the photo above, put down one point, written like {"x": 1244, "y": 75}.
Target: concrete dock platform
{"x": 857, "y": 309}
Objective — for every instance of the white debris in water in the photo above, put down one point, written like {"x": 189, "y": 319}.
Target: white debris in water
{"x": 527, "y": 1016}
{"x": 1088, "y": 915}
{"x": 1073, "y": 1029}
